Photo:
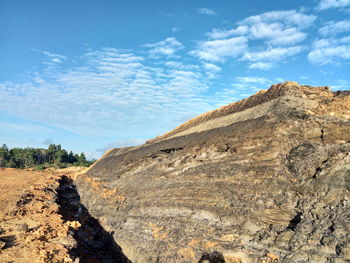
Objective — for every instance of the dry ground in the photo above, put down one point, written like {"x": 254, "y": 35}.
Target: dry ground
{"x": 31, "y": 228}
{"x": 12, "y": 183}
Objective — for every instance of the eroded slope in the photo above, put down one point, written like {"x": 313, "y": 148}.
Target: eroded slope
{"x": 264, "y": 182}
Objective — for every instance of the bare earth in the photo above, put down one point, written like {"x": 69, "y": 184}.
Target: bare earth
{"x": 31, "y": 229}
{"x": 265, "y": 179}
{"x": 13, "y": 181}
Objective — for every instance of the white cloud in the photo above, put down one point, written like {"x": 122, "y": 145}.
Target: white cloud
{"x": 278, "y": 33}
{"x": 217, "y": 33}
{"x": 219, "y": 50}
{"x": 271, "y": 26}
{"x": 207, "y": 11}
{"x": 211, "y": 67}
{"x": 52, "y": 59}
{"x": 279, "y": 27}
{"x": 330, "y": 51}
{"x": 289, "y": 18}
{"x": 211, "y": 70}
{"x": 266, "y": 59}
{"x": 180, "y": 65}
{"x": 273, "y": 54}
{"x": 167, "y": 47}
{"x": 280, "y": 80}
{"x": 259, "y": 80}
{"x": 53, "y": 55}
{"x": 261, "y": 65}
{"x": 174, "y": 64}
{"x": 111, "y": 93}
{"x": 326, "y": 4}
{"x": 332, "y": 28}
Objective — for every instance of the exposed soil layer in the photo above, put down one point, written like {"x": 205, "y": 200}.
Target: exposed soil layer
{"x": 30, "y": 225}
{"x": 266, "y": 179}
{"x": 94, "y": 244}
{"x": 42, "y": 221}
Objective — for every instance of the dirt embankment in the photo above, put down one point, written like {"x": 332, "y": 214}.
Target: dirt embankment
{"x": 42, "y": 220}
{"x": 265, "y": 179}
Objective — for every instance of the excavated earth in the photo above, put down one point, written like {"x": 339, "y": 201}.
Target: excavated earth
{"x": 265, "y": 179}
{"x": 43, "y": 221}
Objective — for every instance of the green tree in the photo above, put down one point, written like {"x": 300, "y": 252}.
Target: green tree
{"x": 4, "y": 155}
{"x": 54, "y": 155}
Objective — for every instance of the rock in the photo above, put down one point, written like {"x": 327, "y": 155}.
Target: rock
{"x": 67, "y": 259}
{"x": 68, "y": 242}
{"x": 2, "y": 244}
{"x": 21, "y": 228}
{"x": 73, "y": 224}
{"x": 260, "y": 180}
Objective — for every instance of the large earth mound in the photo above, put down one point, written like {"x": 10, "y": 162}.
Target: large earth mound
{"x": 266, "y": 179}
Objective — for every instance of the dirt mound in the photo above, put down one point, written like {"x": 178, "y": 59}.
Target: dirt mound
{"x": 328, "y": 100}
{"x": 262, "y": 180}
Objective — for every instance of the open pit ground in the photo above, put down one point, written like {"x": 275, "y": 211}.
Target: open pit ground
{"x": 42, "y": 220}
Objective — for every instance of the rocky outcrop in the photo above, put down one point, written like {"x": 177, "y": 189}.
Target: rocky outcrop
{"x": 266, "y": 179}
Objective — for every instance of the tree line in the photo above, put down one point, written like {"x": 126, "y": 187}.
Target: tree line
{"x": 53, "y": 156}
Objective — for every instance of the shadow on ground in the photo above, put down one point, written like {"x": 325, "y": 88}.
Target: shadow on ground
{"x": 94, "y": 243}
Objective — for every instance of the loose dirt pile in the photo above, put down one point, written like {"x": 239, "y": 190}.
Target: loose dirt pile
{"x": 42, "y": 220}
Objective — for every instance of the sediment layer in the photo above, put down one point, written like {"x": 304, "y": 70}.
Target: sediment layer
{"x": 266, "y": 179}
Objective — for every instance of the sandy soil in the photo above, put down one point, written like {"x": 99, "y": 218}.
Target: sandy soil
{"x": 31, "y": 228}
{"x": 13, "y": 181}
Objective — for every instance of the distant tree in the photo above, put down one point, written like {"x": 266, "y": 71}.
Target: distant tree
{"x": 4, "y": 147}
{"x": 4, "y": 155}
{"x": 29, "y": 157}
{"x": 61, "y": 156}
{"x": 17, "y": 158}
{"x": 81, "y": 159}
{"x": 72, "y": 158}
{"x": 40, "y": 156}
{"x": 54, "y": 155}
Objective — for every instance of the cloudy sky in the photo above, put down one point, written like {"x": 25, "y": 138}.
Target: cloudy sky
{"x": 93, "y": 75}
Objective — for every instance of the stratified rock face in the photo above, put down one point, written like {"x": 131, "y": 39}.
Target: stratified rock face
{"x": 266, "y": 179}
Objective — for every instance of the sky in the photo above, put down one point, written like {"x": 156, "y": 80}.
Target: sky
{"x": 93, "y": 75}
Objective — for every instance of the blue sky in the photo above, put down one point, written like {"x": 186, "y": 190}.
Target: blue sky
{"x": 93, "y": 75}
